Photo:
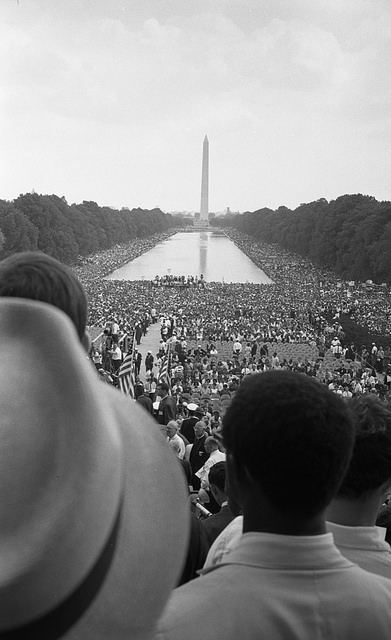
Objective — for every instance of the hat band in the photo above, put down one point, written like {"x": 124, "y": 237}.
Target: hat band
{"x": 54, "y": 624}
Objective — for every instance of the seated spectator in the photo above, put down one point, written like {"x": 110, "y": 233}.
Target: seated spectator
{"x": 288, "y": 441}
{"x": 352, "y": 513}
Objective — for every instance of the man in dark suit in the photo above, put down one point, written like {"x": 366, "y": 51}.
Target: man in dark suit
{"x": 215, "y": 524}
{"x": 167, "y": 405}
{"x": 142, "y": 398}
{"x": 188, "y": 424}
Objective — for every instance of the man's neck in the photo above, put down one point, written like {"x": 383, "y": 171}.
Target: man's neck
{"x": 361, "y": 512}
{"x": 261, "y": 516}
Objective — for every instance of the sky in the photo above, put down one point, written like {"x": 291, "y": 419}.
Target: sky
{"x": 110, "y": 100}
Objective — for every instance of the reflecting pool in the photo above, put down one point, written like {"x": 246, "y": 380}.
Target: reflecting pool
{"x": 194, "y": 253}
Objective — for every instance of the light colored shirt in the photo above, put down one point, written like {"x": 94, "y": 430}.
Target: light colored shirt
{"x": 116, "y": 353}
{"x": 225, "y": 542}
{"x": 365, "y": 546}
{"x": 203, "y": 473}
{"x": 177, "y": 445}
{"x": 282, "y": 588}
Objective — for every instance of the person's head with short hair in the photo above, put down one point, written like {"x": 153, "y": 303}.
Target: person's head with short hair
{"x": 37, "y": 276}
{"x": 217, "y": 476}
{"x": 370, "y": 466}
{"x": 288, "y": 440}
{"x": 172, "y": 428}
{"x": 211, "y": 444}
{"x": 162, "y": 388}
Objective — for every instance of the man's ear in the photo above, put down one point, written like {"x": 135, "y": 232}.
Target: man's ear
{"x": 232, "y": 480}
{"x": 213, "y": 490}
{"x": 86, "y": 341}
{"x": 386, "y": 489}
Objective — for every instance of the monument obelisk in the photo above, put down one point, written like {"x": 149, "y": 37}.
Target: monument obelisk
{"x": 204, "y": 209}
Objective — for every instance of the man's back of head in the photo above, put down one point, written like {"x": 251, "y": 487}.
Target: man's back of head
{"x": 353, "y": 512}
{"x": 37, "y": 276}
{"x": 289, "y": 439}
{"x": 370, "y": 465}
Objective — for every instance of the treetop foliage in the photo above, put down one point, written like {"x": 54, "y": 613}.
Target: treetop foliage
{"x": 351, "y": 235}
{"x": 47, "y": 223}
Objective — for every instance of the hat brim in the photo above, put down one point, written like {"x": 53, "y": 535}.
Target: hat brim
{"x": 146, "y": 565}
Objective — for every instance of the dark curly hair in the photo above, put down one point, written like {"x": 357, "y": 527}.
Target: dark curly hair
{"x": 37, "y": 276}
{"x": 293, "y": 437}
{"x": 370, "y": 465}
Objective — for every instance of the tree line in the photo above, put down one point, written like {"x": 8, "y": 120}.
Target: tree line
{"x": 48, "y": 223}
{"x": 351, "y": 235}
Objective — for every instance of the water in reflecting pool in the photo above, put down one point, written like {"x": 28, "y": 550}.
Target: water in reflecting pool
{"x": 215, "y": 256}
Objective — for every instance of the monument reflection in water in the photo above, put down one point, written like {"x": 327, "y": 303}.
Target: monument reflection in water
{"x": 193, "y": 253}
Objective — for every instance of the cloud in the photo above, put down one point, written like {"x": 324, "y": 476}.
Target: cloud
{"x": 108, "y": 90}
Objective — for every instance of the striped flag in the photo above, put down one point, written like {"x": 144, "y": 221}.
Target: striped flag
{"x": 164, "y": 371}
{"x": 126, "y": 379}
{"x": 126, "y": 375}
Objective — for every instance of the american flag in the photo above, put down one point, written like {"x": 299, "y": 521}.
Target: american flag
{"x": 126, "y": 378}
{"x": 164, "y": 371}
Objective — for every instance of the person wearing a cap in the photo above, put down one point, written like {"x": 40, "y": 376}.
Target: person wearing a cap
{"x": 289, "y": 441}
{"x": 188, "y": 424}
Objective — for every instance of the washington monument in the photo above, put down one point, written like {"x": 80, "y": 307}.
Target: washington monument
{"x": 204, "y": 209}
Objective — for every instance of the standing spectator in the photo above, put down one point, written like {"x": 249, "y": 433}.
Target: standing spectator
{"x": 198, "y": 454}
{"x": 142, "y": 398}
{"x": 353, "y": 511}
{"x": 188, "y": 424}
{"x": 150, "y": 386}
{"x": 167, "y": 404}
{"x": 380, "y": 360}
{"x": 374, "y": 351}
{"x": 216, "y": 523}
{"x": 116, "y": 356}
{"x": 174, "y": 440}
{"x": 149, "y": 360}
{"x": 115, "y": 330}
{"x": 137, "y": 362}
{"x": 215, "y": 455}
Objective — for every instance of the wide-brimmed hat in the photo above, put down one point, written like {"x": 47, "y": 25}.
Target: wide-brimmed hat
{"x": 91, "y": 496}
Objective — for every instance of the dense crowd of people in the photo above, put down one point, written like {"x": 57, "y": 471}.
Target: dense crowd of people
{"x": 241, "y": 515}
{"x": 293, "y": 323}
